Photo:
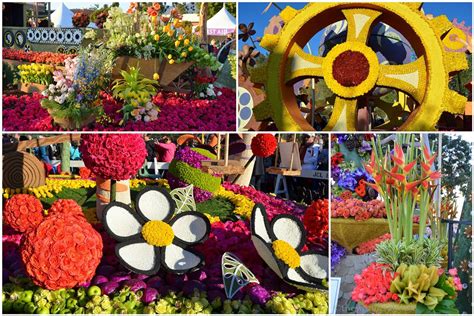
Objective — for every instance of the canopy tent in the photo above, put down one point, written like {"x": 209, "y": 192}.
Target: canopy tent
{"x": 221, "y": 24}
{"x": 62, "y": 17}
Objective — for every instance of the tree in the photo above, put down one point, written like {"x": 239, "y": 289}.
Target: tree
{"x": 214, "y": 7}
{"x": 203, "y": 22}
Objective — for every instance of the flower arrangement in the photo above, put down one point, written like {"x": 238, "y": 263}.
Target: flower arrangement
{"x": 316, "y": 218}
{"x": 36, "y": 73}
{"x": 35, "y": 57}
{"x": 373, "y": 285}
{"x": 371, "y": 245}
{"x": 357, "y": 209}
{"x": 23, "y": 212}
{"x": 147, "y": 35}
{"x": 113, "y": 156}
{"x": 263, "y": 145}
{"x": 204, "y": 87}
{"x": 137, "y": 92}
{"x": 243, "y": 206}
{"x": 80, "y": 19}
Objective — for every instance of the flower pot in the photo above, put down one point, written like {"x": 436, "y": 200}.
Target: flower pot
{"x": 103, "y": 191}
{"x": 350, "y": 233}
{"x": 391, "y": 308}
{"x": 32, "y": 87}
{"x": 168, "y": 73}
{"x": 69, "y": 124}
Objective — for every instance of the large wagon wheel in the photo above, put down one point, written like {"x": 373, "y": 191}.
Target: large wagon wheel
{"x": 22, "y": 170}
{"x": 351, "y": 69}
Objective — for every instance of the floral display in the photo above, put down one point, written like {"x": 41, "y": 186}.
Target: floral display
{"x": 263, "y": 145}
{"x": 357, "y": 209}
{"x": 371, "y": 245}
{"x": 80, "y": 19}
{"x": 337, "y": 254}
{"x": 113, "y": 156}
{"x": 205, "y": 88}
{"x": 35, "y": 57}
{"x": 137, "y": 92}
{"x": 373, "y": 285}
{"x": 36, "y": 73}
{"x": 66, "y": 207}
{"x": 316, "y": 219}
{"x": 243, "y": 206}
{"x": 23, "y": 212}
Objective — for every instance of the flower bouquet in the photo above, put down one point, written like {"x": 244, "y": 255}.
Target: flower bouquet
{"x": 35, "y": 77}
{"x": 73, "y": 99}
{"x": 407, "y": 277}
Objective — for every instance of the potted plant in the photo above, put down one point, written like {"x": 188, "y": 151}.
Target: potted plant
{"x": 407, "y": 277}
{"x": 73, "y": 99}
{"x": 35, "y": 77}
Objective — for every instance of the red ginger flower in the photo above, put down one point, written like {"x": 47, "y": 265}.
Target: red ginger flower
{"x": 66, "y": 207}
{"x": 23, "y": 212}
{"x": 61, "y": 252}
{"x": 316, "y": 218}
{"x": 263, "y": 145}
{"x": 113, "y": 156}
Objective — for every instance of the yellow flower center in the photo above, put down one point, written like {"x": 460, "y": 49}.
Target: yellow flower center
{"x": 158, "y": 233}
{"x": 286, "y": 253}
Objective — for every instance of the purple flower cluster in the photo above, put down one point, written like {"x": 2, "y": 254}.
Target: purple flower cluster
{"x": 190, "y": 157}
{"x": 200, "y": 195}
{"x": 349, "y": 180}
{"x": 337, "y": 253}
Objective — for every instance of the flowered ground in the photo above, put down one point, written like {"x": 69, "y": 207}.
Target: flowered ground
{"x": 201, "y": 291}
{"x": 177, "y": 113}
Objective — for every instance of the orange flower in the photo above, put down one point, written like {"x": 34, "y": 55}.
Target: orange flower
{"x": 156, "y": 6}
{"x": 65, "y": 207}
{"x": 23, "y": 212}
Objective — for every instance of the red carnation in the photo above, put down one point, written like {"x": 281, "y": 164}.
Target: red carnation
{"x": 23, "y": 212}
{"x": 113, "y": 156}
{"x": 316, "y": 218}
{"x": 61, "y": 252}
{"x": 264, "y": 145}
{"x": 85, "y": 173}
{"x": 66, "y": 207}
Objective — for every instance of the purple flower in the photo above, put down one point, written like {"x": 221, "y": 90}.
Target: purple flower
{"x": 190, "y": 157}
{"x": 258, "y": 294}
{"x": 337, "y": 253}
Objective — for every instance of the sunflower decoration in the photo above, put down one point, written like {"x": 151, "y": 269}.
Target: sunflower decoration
{"x": 154, "y": 236}
{"x": 280, "y": 242}
{"x": 351, "y": 70}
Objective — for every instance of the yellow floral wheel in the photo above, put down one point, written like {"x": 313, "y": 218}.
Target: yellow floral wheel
{"x": 424, "y": 79}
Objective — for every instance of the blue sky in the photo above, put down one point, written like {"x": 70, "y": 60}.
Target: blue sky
{"x": 252, "y": 12}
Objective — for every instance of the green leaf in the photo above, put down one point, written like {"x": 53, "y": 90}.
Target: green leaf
{"x": 423, "y": 309}
{"x": 184, "y": 198}
{"x": 446, "y": 306}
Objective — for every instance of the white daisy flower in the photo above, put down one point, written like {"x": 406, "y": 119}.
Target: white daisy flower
{"x": 152, "y": 237}
{"x": 279, "y": 243}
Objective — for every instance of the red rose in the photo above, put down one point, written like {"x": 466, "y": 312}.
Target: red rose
{"x": 23, "y": 212}
{"x": 65, "y": 207}
{"x": 263, "y": 145}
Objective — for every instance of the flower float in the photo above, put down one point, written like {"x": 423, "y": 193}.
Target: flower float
{"x": 153, "y": 237}
{"x": 351, "y": 69}
{"x": 60, "y": 250}
{"x": 279, "y": 243}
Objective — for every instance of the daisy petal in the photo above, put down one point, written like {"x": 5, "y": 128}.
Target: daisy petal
{"x": 298, "y": 278}
{"x": 314, "y": 265}
{"x": 179, "y": 260}
{"x": 259, "y": 223}
{"x": 266, "y": 254}
{"x": 120, "y": 221}
{"x": 286, "y": 228}
{"x": 155, "y": 204}
{"x": 190, "y": 227}
{"x": 139, "y": 256}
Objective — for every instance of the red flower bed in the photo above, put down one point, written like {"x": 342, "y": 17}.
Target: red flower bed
{"x": 178, "y": 113}
{"x": 35, "y": 57}
{"x": 369, "y": 246}
{"x": 373, "y": 285}
{"x": 357, "y": 209}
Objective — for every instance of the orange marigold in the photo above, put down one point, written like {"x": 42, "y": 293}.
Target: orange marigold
{"x": 23, "y": 212}
{"x": 65, "y": 207}
{"x": 61, "y": 252}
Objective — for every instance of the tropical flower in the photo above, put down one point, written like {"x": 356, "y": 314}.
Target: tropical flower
{"x": 151, "y": 236}
{"x": 280, "y": 242}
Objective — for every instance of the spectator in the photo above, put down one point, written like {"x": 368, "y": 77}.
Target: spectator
{"x": 75, "y": 153}
{"x": 310, "y": 158}
{"x": 165, "y": 149}
{"x": 150, "y": 147}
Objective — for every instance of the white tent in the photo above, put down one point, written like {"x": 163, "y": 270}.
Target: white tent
{"x": 62, "y": 17}
{"x": 221, "y": 24}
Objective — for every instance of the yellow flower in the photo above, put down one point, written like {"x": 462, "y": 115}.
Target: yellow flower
{"x": 190, "y": 48}
{"x": 177, "y": 43}
{"x": 170, "y": 33}
{"x": 180, "y": 37}
{"x": 286, "y": 253}
{"x": 171, "y": 61}
{"x": 170, "y": 56}
{"x": 186, "y": 42}
{"x": 157, "y": 37}
{"x": 156, "y": 76}
{"x": 184, "y": 54}
{"x": 158, "y": 233}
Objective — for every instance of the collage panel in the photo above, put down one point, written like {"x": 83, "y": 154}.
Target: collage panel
{"x": 165, "y": 223}
{"x": 338, "y": 66}
{"x": 401, "y": 223}
{"x": 119, "y": 66}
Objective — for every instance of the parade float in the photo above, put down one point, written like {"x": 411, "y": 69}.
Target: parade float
{"x": 395, "y": 223}
{"x": 354, "y": 66}
{"x": 146, "y": 68}
{"x": 231, "y": 252}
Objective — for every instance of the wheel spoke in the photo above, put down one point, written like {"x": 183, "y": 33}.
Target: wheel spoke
{"x": 409, "y": 78}
{"x": 302, "y": 65}
{"x": 344, "y": 115}
{"x": 359, "y": 23}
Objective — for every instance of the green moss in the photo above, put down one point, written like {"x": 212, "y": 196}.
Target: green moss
{"x": 194, "y": 176}
{"x": 218, "y": 206}
{"x": 204, "y": 152}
